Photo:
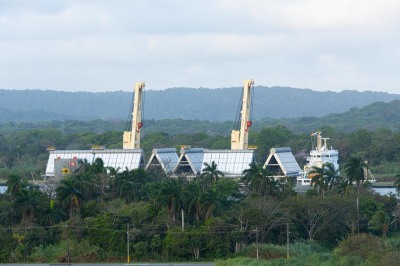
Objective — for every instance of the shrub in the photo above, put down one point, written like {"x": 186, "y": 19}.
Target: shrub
{"x": 265, "y": 251}
{"x": 79, "y": 252}
{"x": 368, "y": 247}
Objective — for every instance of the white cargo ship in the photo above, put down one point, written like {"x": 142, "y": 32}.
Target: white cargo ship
{"x": 318, "y": 156}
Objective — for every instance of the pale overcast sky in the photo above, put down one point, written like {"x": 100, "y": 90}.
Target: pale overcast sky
{"x": 101, "y": 45}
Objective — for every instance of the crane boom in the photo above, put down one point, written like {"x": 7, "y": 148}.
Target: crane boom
{"x": 131, "y": 139}
{"x": 239, "y": 138}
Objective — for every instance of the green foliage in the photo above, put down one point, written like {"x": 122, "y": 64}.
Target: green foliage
{"x": 262, "y": 182}
{"x": 210, "y": 174}
{"x": 301, "y": 253}
{"x": 23, "y": 152}
{"x": 397, "y": 184}
{"x": 176, "y": 244}
{"x": 366, "y": 246}
{"x": 311, "y": 193}
{"x": 130, "y": 184}
{"x": 266, "y": 252}
{"x": 326, "y": 219}
{"x": 306, "y": 248}
{"x": 50, "y": 253}
{"x": 220, "y": 220}
{"x": 103, "y": 233}
{"x": 7, "y": 244}
{"x": 325, "y": 259}
{"x": 324, "y": 178}
{"x": 78, "y": 252}
{"x": 69, "y": 195}
{"x": 380, "y": 222}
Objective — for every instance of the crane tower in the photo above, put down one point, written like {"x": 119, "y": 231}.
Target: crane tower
{"x": 239, "y": 138}
{"x": 131, "y": 139}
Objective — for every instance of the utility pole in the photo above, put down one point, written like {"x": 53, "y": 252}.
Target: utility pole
{"x": 67, "y": 245}
{"x": 128, "y": 258}
{"x": 257, "y": 240}
{"x": 183, "y": 220}
{"x": 287, "y": 240}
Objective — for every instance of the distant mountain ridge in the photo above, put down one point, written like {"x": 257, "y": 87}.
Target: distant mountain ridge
{"x": 373, "y": 116}
{"x": 182, "y": 103}
{"x": 378, "y": 115}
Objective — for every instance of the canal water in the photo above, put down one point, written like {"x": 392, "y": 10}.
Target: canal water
{"x": 385, "y": 190}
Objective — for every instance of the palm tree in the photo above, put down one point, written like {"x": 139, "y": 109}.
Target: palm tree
{"x": 211, "y": 173}
{"x": 69, "y": 195}
{"x": 128, "y": 191}
{"x": 113, "y": 174}
{"x": 27, "y": 203}
{"x": 380, "y": 222}
{"x": 397, "y": 184}
{"x": 324, "y": 177}
{"x": 260, "y": 181}
{"x": 169, "y": 194}
{"x": 341, "y": 185}
{"x": 317, "y": 175}
{"x": 130, "y": 184}
{"x": 210, "y": 202}
{"x": 220, "y": 197}
{"x": 97, "y": 166}
{"x": 14, "y": 184}
{"x": 276, "y": 187}
{"x": 332, "y": 175}
{"x": 91, "y": 179}
{"x": 52, "y": 215}
{"x": 355, "y": 169}
{"x": 193, "y": 196}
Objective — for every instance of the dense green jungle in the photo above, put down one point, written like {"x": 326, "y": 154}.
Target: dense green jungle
{"x": 88, "y": 216}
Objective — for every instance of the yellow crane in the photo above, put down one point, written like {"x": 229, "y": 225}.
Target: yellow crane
{"x": 131, "y": 139}
{"x": 240, "y": 138}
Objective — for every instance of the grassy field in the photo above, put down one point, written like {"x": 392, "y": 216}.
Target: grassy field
{"x": 376, "y": 251}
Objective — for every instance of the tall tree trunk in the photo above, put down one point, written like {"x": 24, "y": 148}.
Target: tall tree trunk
{"x": 358, "y": 208}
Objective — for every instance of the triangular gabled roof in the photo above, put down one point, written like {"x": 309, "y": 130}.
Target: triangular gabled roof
{"x": 282, "y": 163}
{"x": 117, "y": 158}
{"x": 189, "y": 162}
{"x": 164, "y": 159}
{"x": 230, "y": 162}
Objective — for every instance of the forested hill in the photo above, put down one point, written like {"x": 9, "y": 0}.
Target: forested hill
{"x": 184, "y": 103}
{"x": 374, "y": 116}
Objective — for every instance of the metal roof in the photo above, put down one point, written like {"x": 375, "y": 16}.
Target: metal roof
{"x": 189, "y": 162}
{"x": 282, "y": 162}
{"x": 230, "y": 162}
{"x": 116, "y": 158}
{"x": 164, "y": 159}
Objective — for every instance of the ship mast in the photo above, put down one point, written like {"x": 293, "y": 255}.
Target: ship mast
{"x": 131, "y": 139}
{"x": 319, "y": 142}
{"x": 239, "y": 138}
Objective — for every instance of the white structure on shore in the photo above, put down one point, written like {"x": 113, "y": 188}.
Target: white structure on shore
{"x": 62, "y": 163}
{"x": 318, "y": 156}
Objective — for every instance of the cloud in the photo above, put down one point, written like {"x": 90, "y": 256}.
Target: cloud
{"x": 320, "y": 15}
{"x": 102, "y": 45}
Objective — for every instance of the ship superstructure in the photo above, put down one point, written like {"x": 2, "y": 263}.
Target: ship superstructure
{"x": 318, "y": 156}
